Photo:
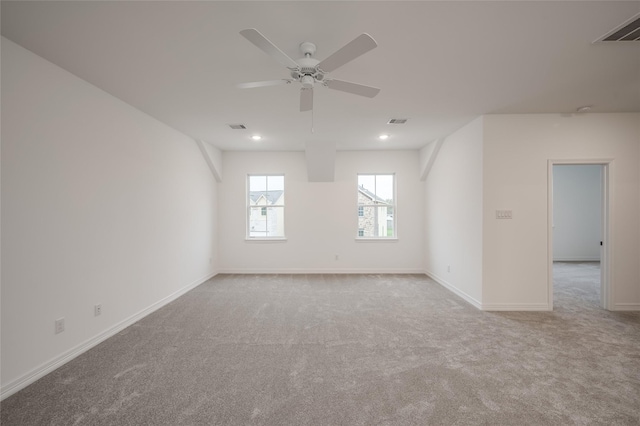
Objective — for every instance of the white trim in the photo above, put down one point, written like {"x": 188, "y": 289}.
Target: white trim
{"x": 606, "y": 260}
{"x": 377, "y": 239}
{"x": 576, "y": 259}
{"x": 295, "y": 271}
{"x": 454, "y": 290}
{"x": 265, "y": 240}
{"x": 516, "y": 307}
{"x": 626, "y": 307}
{"x": 58, "y": 361}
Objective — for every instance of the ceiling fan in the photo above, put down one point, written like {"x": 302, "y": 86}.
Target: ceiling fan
{"x": 308, "y": 71}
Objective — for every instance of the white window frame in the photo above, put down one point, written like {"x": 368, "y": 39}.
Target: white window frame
{"x": 393, "y": 206}
{"x": 250, "y": 237}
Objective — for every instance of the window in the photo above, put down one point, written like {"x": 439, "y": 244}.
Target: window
{"x": 376, "y": 206}
{"x": 265, "y": 206}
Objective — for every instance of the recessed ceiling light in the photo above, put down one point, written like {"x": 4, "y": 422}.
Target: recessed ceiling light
{"x": 383, "y": 137}
{"x": 256, "y": 137}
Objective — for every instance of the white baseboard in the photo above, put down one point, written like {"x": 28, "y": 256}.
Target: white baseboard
{"x": 454, "y": 290}
{"x": 49, "y": 366}
{"x": 489, "y": 306}
{"x": 576, "y": 259}
{"x": 293, "y": 271}
{"x": 626, "y": 307}
{"x": 516, "y": 307}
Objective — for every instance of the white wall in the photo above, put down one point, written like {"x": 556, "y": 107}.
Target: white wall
{"x": 100, "y": 204}
{"x": 453, "y": 212}
{"x": 577, "y": 212}
{"x": 320, "y": 217}
{"x": 515, "y": 169}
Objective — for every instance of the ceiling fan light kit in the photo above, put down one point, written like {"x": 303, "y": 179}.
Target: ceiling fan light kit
{"x": 308, "y": 71}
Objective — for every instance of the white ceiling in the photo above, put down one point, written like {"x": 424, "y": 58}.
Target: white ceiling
{"x": 439, "y": 64}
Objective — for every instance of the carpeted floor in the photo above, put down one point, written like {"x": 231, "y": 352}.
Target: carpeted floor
{"x": 351, "y": 350}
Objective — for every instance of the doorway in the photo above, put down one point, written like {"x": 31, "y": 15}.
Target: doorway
{"x": 579, "y": 225}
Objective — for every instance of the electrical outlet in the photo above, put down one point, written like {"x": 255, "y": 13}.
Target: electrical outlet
{"x": 448, "y": 268}
{"x": 337, "y": 257}
{"x": 59, "y": 328}
{"x": 97, "y": 310}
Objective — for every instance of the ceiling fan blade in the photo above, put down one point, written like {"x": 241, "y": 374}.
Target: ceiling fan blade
{"x": 306, "y": 99}
{"x": 255, "y": 37}
{"x": 356, "y": 89}
{"x": 356, "y": 47}
{"x": 263, "y": 83}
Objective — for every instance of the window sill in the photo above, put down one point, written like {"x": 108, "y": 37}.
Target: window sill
{"x": 266, "y": 240}
{"x": 376, "y": 240}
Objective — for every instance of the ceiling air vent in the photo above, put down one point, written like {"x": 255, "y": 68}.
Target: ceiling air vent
{"x": 397, "y": 121}
{"x": 627, "y": 31}
{"x": 237, "y": 126}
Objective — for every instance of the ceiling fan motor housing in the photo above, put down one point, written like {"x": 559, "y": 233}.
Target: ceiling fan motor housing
{"x": 307, "y": 68}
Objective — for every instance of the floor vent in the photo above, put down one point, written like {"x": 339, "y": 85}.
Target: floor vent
{"x": 237, "y": 126}
{"x": 397, "y": 121}
{"x": 627, "y": 31}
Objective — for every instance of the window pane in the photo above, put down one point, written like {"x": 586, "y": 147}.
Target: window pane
{"x": 257, "y": 183}
{"x": 390, "y": 222}
{"x": 375, "y": 222}
{"x": 257, "y": 222}
{"x": 265, "y": 212}
{"x": 368, "y": 182}
{"x": 266, "y": 222}
{"x": 376, "y": 206}
{"x": 366, "y": 189}
{"x": 384, "y": 187}
{"x": 275, "y": 183}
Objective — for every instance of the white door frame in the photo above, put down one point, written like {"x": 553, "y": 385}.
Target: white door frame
{"x": 606, "y": 258}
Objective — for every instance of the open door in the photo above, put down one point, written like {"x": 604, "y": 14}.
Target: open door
{"x": 590, "y": 244}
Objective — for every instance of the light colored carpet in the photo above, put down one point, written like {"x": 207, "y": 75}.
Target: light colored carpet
{"x": 351, "y": 350}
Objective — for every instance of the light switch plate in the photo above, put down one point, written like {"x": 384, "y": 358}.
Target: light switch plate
{"x": 504, "y": 214}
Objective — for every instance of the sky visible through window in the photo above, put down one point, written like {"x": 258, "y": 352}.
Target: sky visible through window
{"x": 262, "y": 183}
{"x": 381, "y": 185}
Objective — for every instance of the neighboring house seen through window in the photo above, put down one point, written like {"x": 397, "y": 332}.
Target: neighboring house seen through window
{"x": 376, "y": 206}
{"x": 265, "y": 206}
